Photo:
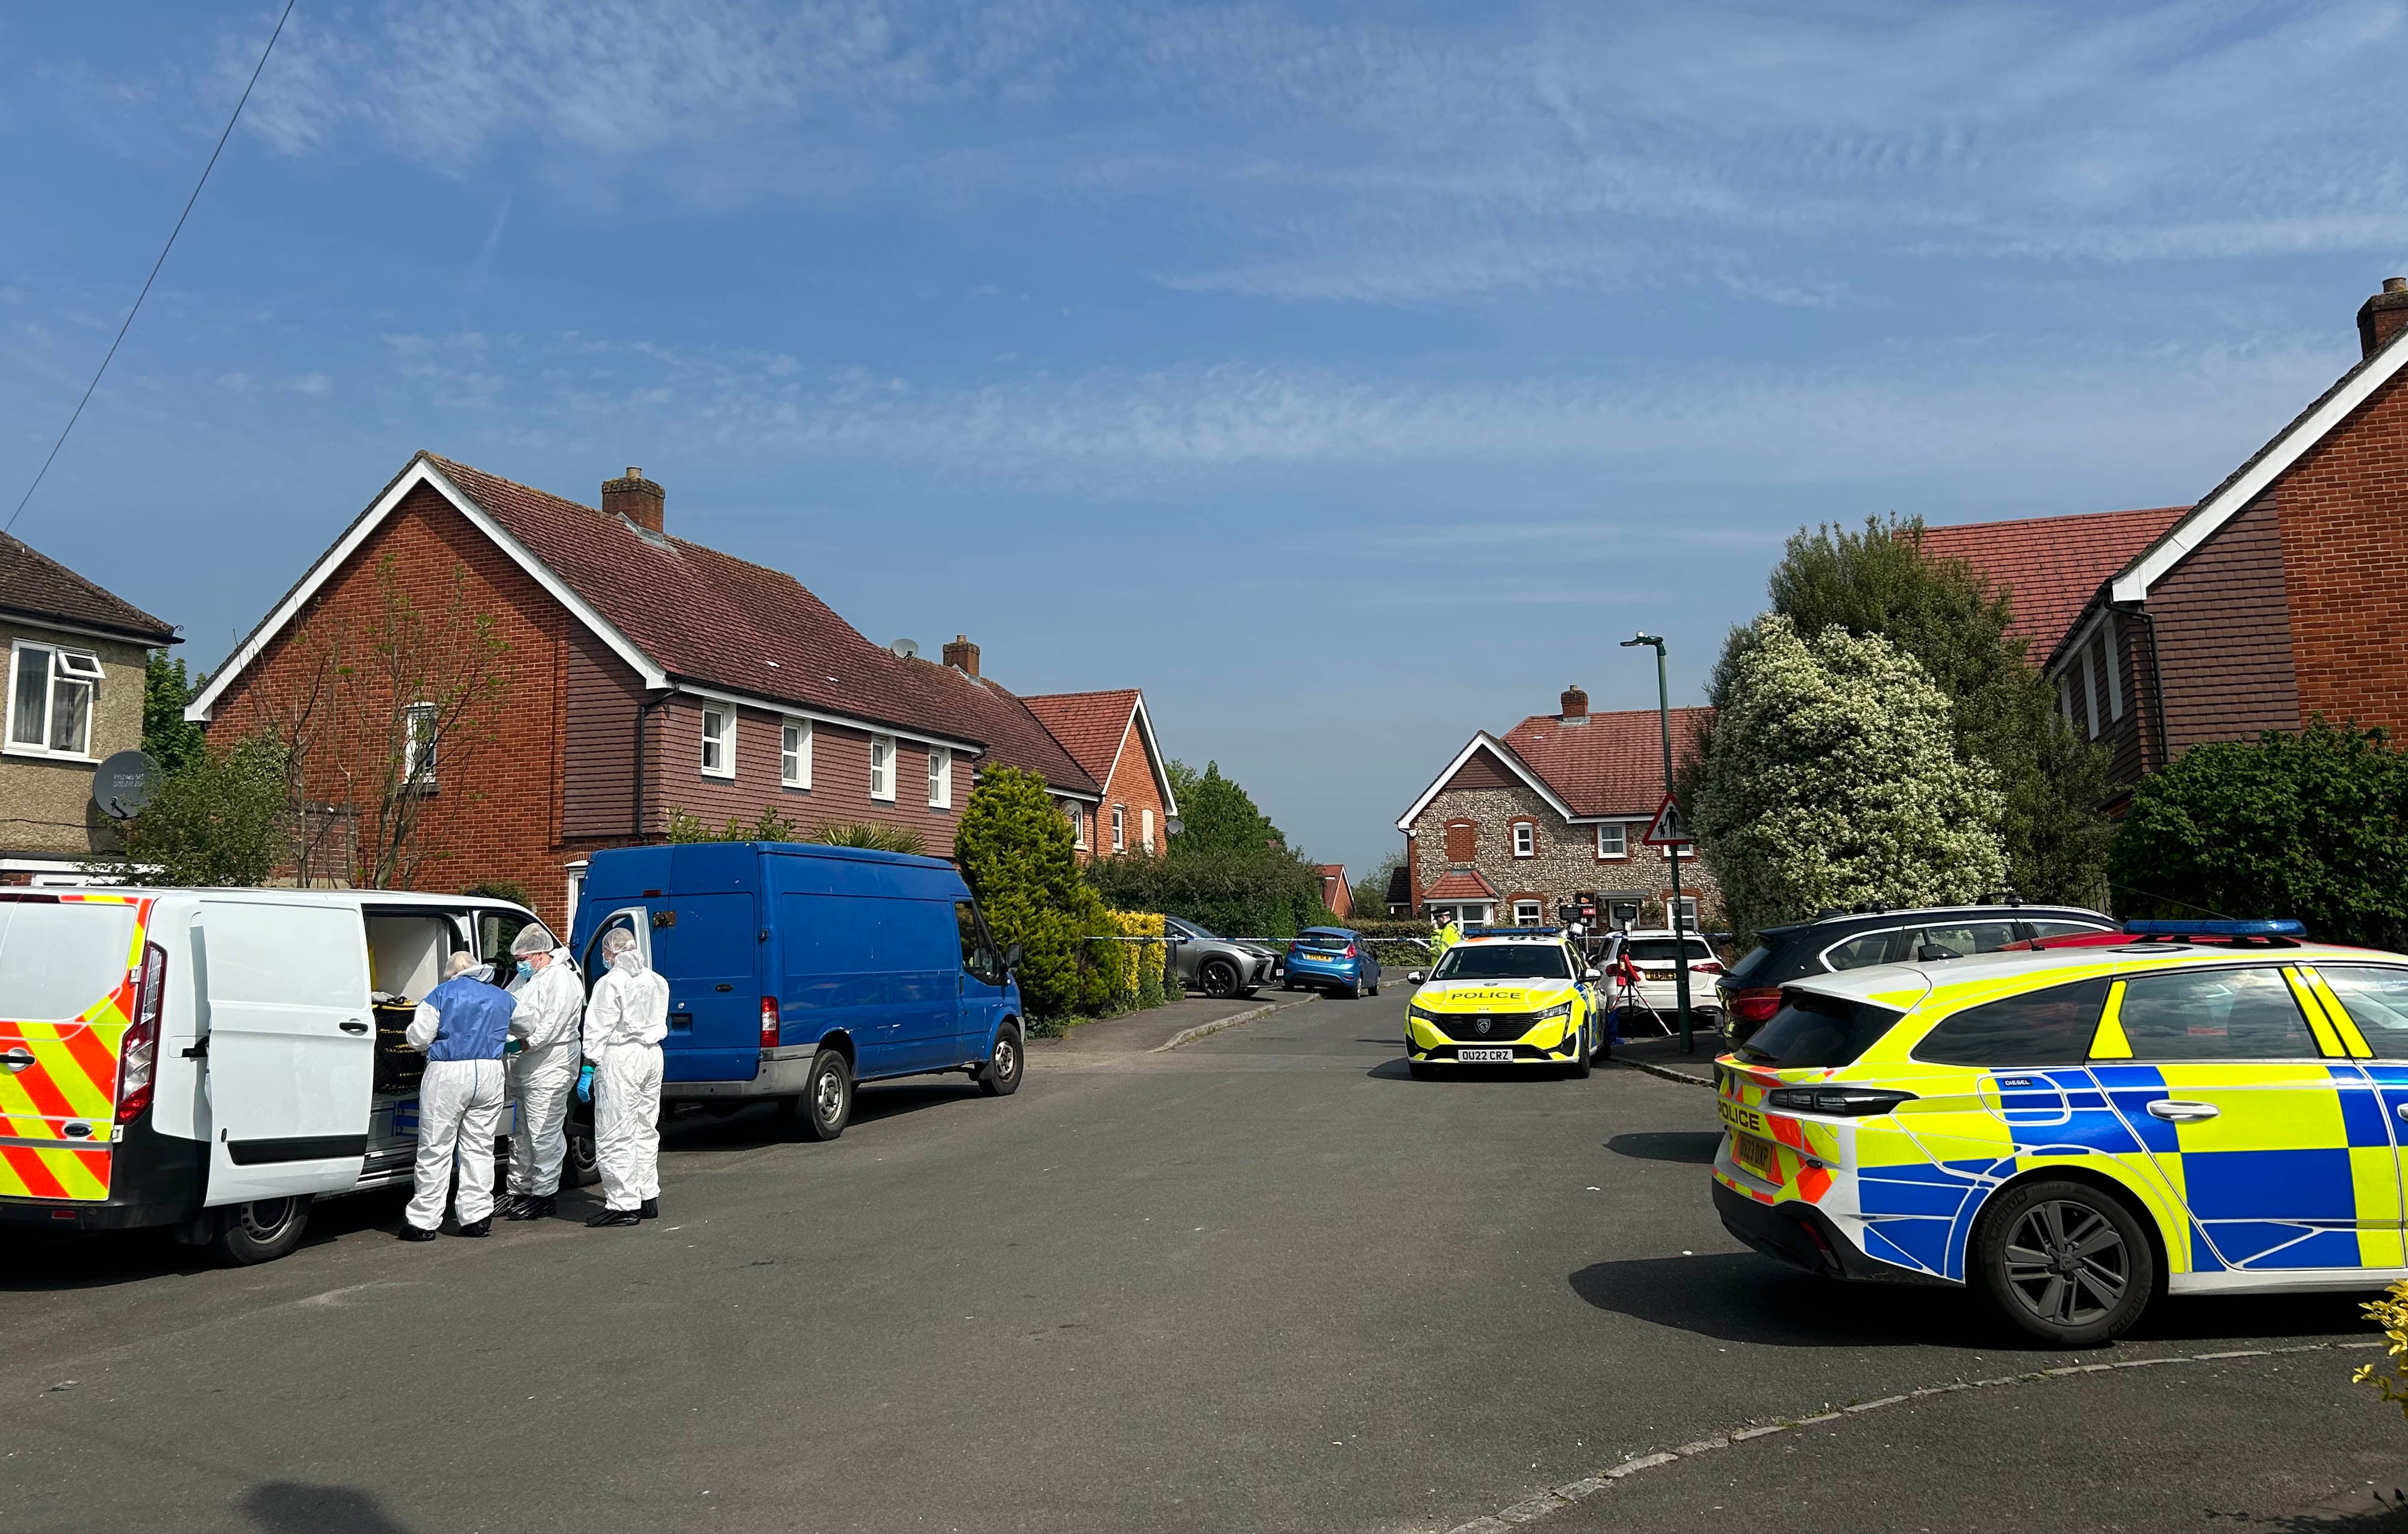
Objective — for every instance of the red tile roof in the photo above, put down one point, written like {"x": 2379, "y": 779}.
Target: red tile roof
{"x": 1462, "y": 885}
{"x": 1613, "y": 764}
{"x": 1090, "y": 725}
{"x": 36, "y": 586}
{"x": 708, "y": 617}
{"x": 2050, "y": 568}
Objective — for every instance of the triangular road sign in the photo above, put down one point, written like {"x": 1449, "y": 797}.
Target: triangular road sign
{"x": 1665, "y": 829}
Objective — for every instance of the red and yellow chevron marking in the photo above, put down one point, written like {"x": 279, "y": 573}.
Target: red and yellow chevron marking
{"x": 73, "y": 1078}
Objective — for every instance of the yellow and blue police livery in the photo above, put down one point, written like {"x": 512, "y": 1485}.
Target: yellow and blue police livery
{"x": 2215, "y": 1108}
{"x": 1503, "y": 996}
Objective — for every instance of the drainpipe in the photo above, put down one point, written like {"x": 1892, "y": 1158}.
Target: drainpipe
{"x": 652, "y": 699}
{"x": 2156, "y": 681}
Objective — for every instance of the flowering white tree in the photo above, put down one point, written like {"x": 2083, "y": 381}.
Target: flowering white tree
{"x": 1830, "y": 779}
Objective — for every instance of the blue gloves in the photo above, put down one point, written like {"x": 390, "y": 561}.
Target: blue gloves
{"x": 585, "y": 1084}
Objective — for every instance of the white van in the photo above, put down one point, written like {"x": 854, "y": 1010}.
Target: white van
{"x": 212, "y": 1060}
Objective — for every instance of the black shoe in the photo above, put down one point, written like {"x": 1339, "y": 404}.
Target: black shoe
{"x": 531, "y": 1207}
{"x": 411, "y": 1233}
{"x": 649, "y": 1209}
{"x": 614, "y": 1217}
{"x": 482, "y": 1227}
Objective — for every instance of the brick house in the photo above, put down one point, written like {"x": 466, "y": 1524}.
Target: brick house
{"x": 1335, "y": 893}
{"x": 2278, "y": 597}
{"x": 1110, "y": 735}
{"x": 647, "y": 676}
{"x": 1553, "y": 811}
{"x": 77, "y": 655}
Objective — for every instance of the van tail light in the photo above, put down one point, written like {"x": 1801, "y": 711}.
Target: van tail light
{"x": 1757, "y": 1005}
{"x": 138, "y": 1055}
{"x": 768, "y": 1022}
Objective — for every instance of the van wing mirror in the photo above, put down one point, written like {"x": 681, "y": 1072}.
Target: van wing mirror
{"x": 1012, "y": 957}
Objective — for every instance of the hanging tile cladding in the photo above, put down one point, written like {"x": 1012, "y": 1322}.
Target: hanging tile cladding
{"x": 839, "y": 788}
{"x": 2344, "y": 521}
{"x": 2224, "y": 636}
{"x": 598, "y": 768}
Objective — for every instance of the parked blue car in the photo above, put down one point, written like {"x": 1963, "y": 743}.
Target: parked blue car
{"x": 1331, "y": 959}
{"x": 797, "y": 970}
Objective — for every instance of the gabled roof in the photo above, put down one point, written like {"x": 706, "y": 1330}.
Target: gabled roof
{"x": 1611, "y": 766}
{"x": 1400, "y": 885}
{"x": 1012, "y": 732}
{"x": 33, "y": 585}
{"x": 2050, "y": 566}
{"x": 1094, "y": 727}
{"x": 1462, "y": 885}
{"x": 686, "y": 616}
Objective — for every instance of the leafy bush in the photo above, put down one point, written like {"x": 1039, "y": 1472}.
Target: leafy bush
{"x": 502, "y": 889}
{"x": 2391, "y": 1312}
{"x": 220, "y": 820}
{"x": 1238, "y": 892}
{"x": 1014, "y": 848}
{"x": 769, "y": 825}
{"x": 1830, "y": 780}
{"x": 172, "y": 740}
{"x": 872, "y": 835}
{"x": 1123, "y": 976}
{"x": 2313, "y": 826}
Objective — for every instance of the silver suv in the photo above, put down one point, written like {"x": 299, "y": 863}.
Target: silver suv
{"x": 1217, "y": 967}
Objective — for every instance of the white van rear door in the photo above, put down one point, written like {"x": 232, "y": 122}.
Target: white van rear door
{"x": 291, "y": 1047}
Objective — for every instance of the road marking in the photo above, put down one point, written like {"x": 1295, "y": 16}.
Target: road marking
{"x": 1203, "y": 1030}
{"x": 1531, "y": 1509}
{"x": 1679, "y": 1076}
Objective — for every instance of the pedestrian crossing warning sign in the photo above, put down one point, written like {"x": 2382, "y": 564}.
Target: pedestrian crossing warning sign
{"x": 1666, "y": 829}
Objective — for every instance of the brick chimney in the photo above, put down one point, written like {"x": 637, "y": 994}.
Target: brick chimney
{"x": 962, "y": 655}
{"x": 1575, "y": 705}
{"x": 635, "y": 498}
{"x": 2383, "y": 316}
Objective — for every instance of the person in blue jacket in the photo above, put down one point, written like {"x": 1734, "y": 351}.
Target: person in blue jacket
{"x": 463, "y": 1025}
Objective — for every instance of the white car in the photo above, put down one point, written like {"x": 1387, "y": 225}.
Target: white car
{"x": 1654, "y": 952}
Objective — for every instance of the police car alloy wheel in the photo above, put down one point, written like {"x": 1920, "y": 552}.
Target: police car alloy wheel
{"x": 2065, "y": 1262}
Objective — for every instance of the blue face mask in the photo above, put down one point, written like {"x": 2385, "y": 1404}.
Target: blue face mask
{"x": 526, "y": 967}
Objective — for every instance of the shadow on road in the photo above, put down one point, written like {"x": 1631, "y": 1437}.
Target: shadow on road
{"x": 38, "y": 1261}
{"x": 756, "y": 1125}
{"x": 1696, "y": 1148}
{"x": 1396, "y": 1069}
{"x": 292, "y": 1507}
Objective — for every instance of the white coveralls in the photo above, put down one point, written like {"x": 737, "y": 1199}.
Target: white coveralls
{"x": 544, "y": 1075}
{"x": 625, "y": 1024}
{"x": 459, "y": 1117}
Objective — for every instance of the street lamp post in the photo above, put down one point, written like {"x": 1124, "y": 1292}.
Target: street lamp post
{"x": 1672, "y": 854}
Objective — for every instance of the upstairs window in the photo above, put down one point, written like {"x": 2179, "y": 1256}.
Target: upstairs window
{"x": 1613, "y": 840}
{"x": 881, "y": 768}
{"x": 1145, "y": 829}
{"x": 50, "y": 700}
{"x": 1119, "y": 832}
{"x": 940, "y": 777}
{"x": 1077, "y": 816}
{"x": 794, "y": 754}
{"x": 420, "y": 723}
{"x": 1525, "y": 839}
{"x": 719, "y": 741}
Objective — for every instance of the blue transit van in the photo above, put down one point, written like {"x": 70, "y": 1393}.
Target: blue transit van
{"x": 797, "y": 970}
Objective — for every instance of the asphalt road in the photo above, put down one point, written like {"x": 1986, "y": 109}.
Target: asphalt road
{"x": 1266, "y": 1281}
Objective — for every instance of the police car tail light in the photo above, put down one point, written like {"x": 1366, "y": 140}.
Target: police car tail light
{"x": 768, "y": 1022}
{"x": 138, "y": 1055}
{"x": 1845, "y": 1101}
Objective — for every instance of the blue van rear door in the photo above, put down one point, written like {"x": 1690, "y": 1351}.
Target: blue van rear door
{"x": 708, "y": 950}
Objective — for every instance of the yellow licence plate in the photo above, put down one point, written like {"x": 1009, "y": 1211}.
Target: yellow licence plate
{"x": 1757, "y": 1155}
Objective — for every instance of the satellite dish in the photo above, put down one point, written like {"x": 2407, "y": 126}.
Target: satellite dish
{"x": 124, "y": 783}
{"x": 907, "y": 648}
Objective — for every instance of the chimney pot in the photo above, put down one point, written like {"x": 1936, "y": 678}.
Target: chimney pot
{"x": 2383, "y": 316}
{"x": 635, "y": 498}
{"x": 962, "y": 655}
{"x": 1575, "y": 702}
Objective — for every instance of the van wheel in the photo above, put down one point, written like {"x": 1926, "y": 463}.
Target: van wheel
{"x": 261, "y": 1230}
{"x": 2065, "y": 1262}
{"x": 826, "y": 1106}
{"x": 1000, "y": 1076}
{"x": 581, "y": 1167}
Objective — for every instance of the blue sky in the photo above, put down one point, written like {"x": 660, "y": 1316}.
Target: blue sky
{"x": 1350, "y": 378}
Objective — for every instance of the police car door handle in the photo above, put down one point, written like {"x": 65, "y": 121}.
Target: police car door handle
{"x": 2174, "y": 1111}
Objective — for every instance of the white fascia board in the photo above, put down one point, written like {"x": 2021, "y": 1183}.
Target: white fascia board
{"x": 821, "y": 716}
{"x": 1144, "y": 720}
{"x": 1505, "y": 754}
{"x": 2133, "y": 584}
{"x": 18, "y": 619}
{"x": 1115, "y": 770}
{"x": 419, "y": 472}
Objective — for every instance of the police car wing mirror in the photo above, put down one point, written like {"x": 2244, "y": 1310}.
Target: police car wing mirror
{"x": 1590, "y": 975}
{"x": 1414, "y": 977}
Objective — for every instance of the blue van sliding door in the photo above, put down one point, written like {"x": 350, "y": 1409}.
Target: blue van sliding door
{"x": 884, "y": 968}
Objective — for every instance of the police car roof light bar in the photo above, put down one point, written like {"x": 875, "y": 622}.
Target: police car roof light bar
{"x": 1512, "y": 932}
{"x": 2282, "y": 926}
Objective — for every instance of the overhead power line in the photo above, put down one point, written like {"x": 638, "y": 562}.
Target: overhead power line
{"x": 187, "y": 213}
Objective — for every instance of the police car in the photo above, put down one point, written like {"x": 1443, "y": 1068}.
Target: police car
{"x": 1503, "y": 996}
{"x": 2207, "y": 1108}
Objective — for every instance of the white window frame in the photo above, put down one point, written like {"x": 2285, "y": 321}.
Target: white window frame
{"x": 1689, "y": 912}
{"x": 940, "y": 777}
{"x": 794, "y": 753}
{"x": 1620, "y": 851}
{"x": 1525, "y": 839}
{"x": 60, "y": 666}
{"x": 723, "y": 743}
{"x": 881, "y": 768}
{"x": 419, "y": 747}
{"x": 1077, "y": 815}
{"x": 1120, "y": 828}
{"x": 1537, "y": 909}
{"x": 2107, "y": 655}
{"x": 1145, "y": 829}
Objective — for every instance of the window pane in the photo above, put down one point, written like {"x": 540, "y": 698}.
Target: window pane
{"x": 2067, "y": 930}
{"x": 58, "y": 961}
{"x": 1813, "y": 1030}
{"x": 2376, "y": 1000}
{"x": 70, "y": 715}
{"x": 974, "y": 954}
{"x": 2215, "y": 1014}
{"x": 2051, "y": 1027}
{"x": 1958, "y": 940}
{"x": 1611, "y": 842}
{"x": 1858, "y": 951}
{"x": 27, "y": 718}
